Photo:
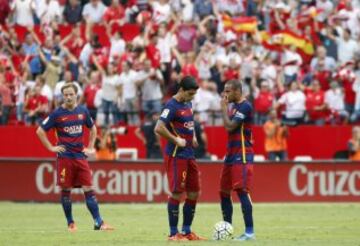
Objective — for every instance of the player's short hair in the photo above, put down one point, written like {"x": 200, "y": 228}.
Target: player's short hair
{"x": 235, "y": 84}
{"x": 69, "y": 85}
{"x": 188, "y": 83}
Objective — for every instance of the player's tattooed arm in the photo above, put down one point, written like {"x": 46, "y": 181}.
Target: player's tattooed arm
{"x": 45, "y": 141}
{"x": 228, "y": 124}
{"x": 161, "y": 130}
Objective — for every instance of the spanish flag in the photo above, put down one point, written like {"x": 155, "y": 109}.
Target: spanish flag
{"x": 280, "y": 39}
{"x": 239, "y": 24}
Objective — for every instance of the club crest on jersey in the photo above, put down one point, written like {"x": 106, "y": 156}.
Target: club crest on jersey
{"x": 80, "y": 116}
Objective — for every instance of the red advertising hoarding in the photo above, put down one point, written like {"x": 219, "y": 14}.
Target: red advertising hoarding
{"x": 147, "y": 182}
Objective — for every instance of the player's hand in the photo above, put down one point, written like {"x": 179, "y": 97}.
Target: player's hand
{"x": 58, "y": 149}
{"x": 88, "y": 151}
{"x": 180, "y": 142}
{"x": 224, "y": 102}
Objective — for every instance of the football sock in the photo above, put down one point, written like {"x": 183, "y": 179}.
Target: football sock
{"x": 173, "y": 213}
{"x": 188, "y": 212}
{"x": 226, "y": 207}
{"x": 93, "y": 207}
{"x": 66, "y": 204}
{"x": 246, "y": 207}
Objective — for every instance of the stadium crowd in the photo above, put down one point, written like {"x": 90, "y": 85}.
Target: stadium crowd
{"x": 301, "y": 58}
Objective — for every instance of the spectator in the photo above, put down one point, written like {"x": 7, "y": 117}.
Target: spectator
{"x": 110, "y": 91}
{"x": 72, "y": 12}
{"x": 5, "y": 100}
{"x": 291, "y": 62}
{"x": 93, "y": 11}
{"x": 128, "y": 80}
{"x": 203, "y": 8}
{"x": 276, "y": 134}
{"x": 148, "y": 137}
{"x": 105, "y": 145}
{"x": 354, "y": 144}
{"x": 161, "y": 11}
{"x": 329, "y": 63}
{"x": 48, "y": 11}
{"x": 334, "y": 98}
{"x": 264, "y": 101}
{"x": 23, "y": 11}
{"x": 4, "y": 11}
{"x": 90, "y": 92}
{"x": 315, "y": 104}
{"x": 294, "y": 101}
{"x": 36, "y": 106}
{"x": 347, "y": 47}
{"x": 150, "y": 85}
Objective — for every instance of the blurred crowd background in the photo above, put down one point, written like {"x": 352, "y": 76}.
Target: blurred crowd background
{"x": 299, "y": 60}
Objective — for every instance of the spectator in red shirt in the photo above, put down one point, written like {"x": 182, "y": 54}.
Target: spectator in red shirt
{"x": 315, "y": 104}
{"x": 4, "y": 11}
{"x": 36, "y": 106}
{"x": 115, "y": 13}
{"x": 263, "y": 102}
{"x": 90, "y": 91}
{"x": 5, "y": 100}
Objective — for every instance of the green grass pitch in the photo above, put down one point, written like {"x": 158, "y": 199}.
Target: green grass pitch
{"x": 146, "y": 224}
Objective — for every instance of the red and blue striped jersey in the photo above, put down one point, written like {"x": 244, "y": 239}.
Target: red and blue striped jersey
{"x": 240, "y": 146}
{"x": 178, "y": 118}
{"x": 69, "y": 126}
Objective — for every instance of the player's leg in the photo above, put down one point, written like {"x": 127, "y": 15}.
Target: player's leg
{"x": 84, "y": 180}
{"x": 64, "y": 180}
{"x": 192, "y": 179}
{"x": 225, "y": 193}
{"x": 242, "y": 175}
{"x": 174, "y": 169}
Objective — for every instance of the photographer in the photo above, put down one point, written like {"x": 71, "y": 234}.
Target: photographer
{"x": 354, "y": 144}
{"x": 276, "y": 138}
{"x": 106, "y": 144}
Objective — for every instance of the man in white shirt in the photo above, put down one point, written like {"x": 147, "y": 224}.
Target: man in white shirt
{"x": 128, "y": 79}
{"x": 334, "y": 98}
{"x": 161, "y": 11}
{"x": 291, "y": 61}
{"x": 48, "y": 10}
{"x": 94, "y": 11}
{"x": 294, "y": 101}
{"x": 150, "y": 84}
{"x": 347, "y": 47}
{"x": 23, "y": 11}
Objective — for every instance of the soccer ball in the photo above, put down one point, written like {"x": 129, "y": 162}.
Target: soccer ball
{"x": 222, "y": 230}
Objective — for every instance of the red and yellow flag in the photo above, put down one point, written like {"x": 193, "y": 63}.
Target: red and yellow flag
{"x": 239, "y": 24}
{"x": 282, "y": 38}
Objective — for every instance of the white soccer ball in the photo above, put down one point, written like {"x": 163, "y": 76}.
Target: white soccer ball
{"x": 222, "y": 230}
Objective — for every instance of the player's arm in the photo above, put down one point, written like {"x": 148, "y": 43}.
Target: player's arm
{"x": 228, "y": 124}
{"x": 161, "y": 130}
{"x": 90, "y": 149}
{"x": 45, "y": 141}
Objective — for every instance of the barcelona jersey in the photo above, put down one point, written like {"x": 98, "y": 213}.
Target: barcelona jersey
{"x": 178, "y": 118}
{"x": 240, "y": 146}
{"x": 69, "y": 126}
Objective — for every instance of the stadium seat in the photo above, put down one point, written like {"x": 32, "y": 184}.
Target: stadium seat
{"x": 303, "y": 158}
{"x": 131, "y": 153}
